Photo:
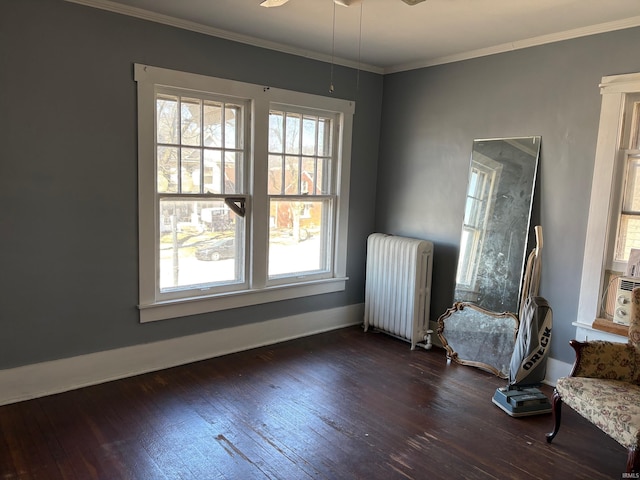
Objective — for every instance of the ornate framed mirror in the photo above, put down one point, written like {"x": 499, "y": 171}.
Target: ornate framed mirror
{"x": 479, "y": 338}
{"x": 480, "y": 329}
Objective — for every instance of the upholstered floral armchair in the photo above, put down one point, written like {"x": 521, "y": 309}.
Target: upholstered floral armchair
{"x": 604, "y": 387}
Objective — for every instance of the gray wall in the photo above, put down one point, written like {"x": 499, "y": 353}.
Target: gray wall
{"x": 68, "y": 180}
{"x": 432, "y": 115}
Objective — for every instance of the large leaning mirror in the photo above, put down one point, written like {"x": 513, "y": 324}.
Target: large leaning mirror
{"x": 496, "y": 222}
{"x": 493, "y": 248}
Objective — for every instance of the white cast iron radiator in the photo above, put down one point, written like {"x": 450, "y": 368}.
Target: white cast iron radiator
{"x": 398, "y": 287}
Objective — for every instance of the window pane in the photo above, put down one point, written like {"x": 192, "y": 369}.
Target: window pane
{"x": 276, "y": 132}
{"x": 212, "y": 124}
{"x": 309, "y": 125}
{"x": 307, "y": 183}
{"x": 291, "y": 176}
{"x": 212, "y": 171}
{"x": 167, "y": 170}
{"x": 201, "y": 244}
{"x": 474, "y": 214}
{"x": 324, "y": 137}
{"x": 297, "y": 237}
{"x": 469, "y": 245}
{"x": 322, "y": 177}
{"x": 635, "y": 125}
{"x": 628, "y": 237}
{"x": 232, "y": 162}
{"x": 190, "y": 113}
{"x": 233, "y": 127}
{"x": 167, "y": 119}
{"x": 275, "y": 175}
{"x": 632, "y": 191}
{"x": 190, "y": 170}
{"x": 292, "y": 134}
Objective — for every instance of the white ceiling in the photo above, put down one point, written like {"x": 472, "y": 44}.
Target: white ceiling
{"x": 387, "y": 36}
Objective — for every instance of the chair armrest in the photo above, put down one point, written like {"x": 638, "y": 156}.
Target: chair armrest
{"x": 602, "y": 359}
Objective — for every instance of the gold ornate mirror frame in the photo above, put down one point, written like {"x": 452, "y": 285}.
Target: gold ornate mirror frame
{"x": 468, "y": 331}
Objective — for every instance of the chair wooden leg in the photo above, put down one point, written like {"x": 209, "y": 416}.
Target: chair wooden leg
{"x": 556, "y": 405}
{"x": 633, "y": 461}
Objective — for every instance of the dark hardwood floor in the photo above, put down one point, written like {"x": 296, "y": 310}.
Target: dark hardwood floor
{"x": 340, "y": 405}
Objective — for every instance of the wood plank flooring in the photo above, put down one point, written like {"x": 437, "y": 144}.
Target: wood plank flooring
{"x": 340, "y": 405}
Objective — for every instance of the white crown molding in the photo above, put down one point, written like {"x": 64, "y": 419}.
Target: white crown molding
{"x": 225, "y": 34}
{"x": 482, "y": 52}
{"x": 520, "y": 44}
{"x": 56, "y": 376}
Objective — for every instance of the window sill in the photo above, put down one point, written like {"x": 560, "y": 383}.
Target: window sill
{"x": 601, "y": 330}
{"x": 610, "y": 327}
{"x": 212, "y": 303}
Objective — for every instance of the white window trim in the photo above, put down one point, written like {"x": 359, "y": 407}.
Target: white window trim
{"x": 150, "y": 308}
{"x": 603, "y": 208}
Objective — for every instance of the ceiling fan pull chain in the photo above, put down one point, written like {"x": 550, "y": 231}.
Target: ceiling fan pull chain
{"x": 333, "y": 48}
{"x": 359, "y": 50}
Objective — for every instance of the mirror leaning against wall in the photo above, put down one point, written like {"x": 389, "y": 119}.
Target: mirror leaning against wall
{"x": 492, "y": 256}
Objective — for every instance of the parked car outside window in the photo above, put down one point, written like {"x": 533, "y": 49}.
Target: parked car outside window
{"x": 216, "y": 249}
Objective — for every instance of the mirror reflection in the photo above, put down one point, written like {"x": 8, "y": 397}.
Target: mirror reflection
{"x": 496, "y": 222}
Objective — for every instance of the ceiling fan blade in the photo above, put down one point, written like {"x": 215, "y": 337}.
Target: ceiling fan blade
{"x": 412, "y": 2}
{"x": 346, "y": 3}
{"x": 273, "y": 3}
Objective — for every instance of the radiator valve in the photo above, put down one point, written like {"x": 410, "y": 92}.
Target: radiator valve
{"x": 427, "y": 340}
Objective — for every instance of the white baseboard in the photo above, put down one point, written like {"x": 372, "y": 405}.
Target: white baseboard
{"x": 555, "y": 370}
{"x": 37, "y": 380}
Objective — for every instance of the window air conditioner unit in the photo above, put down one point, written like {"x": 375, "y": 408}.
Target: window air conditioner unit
{"x": 622, "y": 313}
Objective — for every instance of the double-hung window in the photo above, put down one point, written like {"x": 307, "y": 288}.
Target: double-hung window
{"x": 301, "y": 193}
{"x": 628, "y": 228}
{"x": 613, "y": 229}
{"x": 199, "y": 151}
{"x": 243, "y": 193}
